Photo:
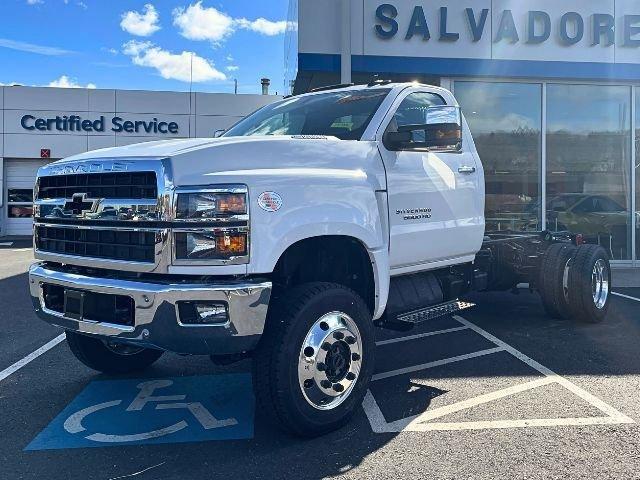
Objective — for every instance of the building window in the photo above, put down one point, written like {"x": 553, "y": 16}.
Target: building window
{"x": 19, "y": 203}
{"x": 588, "y": 164}
{"x": 506, "y": 123}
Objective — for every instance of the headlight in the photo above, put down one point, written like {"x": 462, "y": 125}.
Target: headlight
{"x": 210, "y": 245}
{"x": 216, "y": 226}
{"x": 210, "y": 205}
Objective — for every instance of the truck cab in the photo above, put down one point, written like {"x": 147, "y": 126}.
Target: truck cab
{"x": 288, "y": 240}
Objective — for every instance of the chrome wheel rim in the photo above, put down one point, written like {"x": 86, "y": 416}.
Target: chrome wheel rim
{"x": 600, "y": 283}
{"x": 122, "y": 348}
{"x": 330, "y": 360}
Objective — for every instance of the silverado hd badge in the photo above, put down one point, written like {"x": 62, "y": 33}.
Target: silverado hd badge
{"x": 414, "y": 213}
{"x": 270, "y": 201}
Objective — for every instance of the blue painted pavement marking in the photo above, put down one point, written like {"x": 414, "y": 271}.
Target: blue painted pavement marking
{"x": 152, "y": 411}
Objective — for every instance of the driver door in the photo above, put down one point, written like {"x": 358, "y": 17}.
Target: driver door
{"x": 436, "y": 199}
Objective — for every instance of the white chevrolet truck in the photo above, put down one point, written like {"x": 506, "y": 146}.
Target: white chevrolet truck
{"x": 288, "y": 239}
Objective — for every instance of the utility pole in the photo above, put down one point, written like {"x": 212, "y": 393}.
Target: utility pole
{"x": 235, "y": 86}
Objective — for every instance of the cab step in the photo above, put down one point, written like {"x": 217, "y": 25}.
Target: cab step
{"x": 406, "y": 321}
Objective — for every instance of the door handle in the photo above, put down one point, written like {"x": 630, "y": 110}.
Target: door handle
{"x": 467, "y": 169}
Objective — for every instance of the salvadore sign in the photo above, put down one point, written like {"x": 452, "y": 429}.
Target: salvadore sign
{"x": 600, "y": 31}
{"x": 537, "y": 28}
{"x": 78, "y": 124}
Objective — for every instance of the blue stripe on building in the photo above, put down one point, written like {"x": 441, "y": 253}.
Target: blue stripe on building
{"x": 456, "y": 67}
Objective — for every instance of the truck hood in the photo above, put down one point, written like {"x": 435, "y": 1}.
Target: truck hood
{"x": 156, "y": 149}
{"x": 207, "y": 161}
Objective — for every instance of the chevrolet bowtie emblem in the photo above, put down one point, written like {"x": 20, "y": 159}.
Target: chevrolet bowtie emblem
{"x": 79, "y": 204}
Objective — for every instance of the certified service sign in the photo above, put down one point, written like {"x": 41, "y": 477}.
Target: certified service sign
{"x": 270, "y": 201}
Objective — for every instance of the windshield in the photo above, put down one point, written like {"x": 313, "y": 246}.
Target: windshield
{"x": 343, "y": 114}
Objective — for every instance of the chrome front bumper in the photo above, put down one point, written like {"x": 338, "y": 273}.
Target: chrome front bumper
{"x": 157, "y": 322}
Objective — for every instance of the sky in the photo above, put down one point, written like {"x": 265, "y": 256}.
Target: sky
{"x": 146, "y": 45}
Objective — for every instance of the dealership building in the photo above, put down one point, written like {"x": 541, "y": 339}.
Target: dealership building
{"x": 551, "y": 91}
{"x": 40, "y": 125}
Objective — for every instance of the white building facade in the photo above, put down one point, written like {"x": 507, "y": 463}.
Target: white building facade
{"x": 40, "y": 125}
{"x": 551, "y": 90}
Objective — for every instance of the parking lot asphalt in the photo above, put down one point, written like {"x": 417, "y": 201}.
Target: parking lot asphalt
{"x": 498, "y": 391}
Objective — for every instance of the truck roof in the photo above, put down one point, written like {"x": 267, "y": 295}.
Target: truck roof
{"x": 386, "y": 85}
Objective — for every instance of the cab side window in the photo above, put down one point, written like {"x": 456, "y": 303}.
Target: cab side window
{"x": 413, "y": 111}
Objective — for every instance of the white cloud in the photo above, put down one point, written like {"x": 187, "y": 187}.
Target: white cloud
{"x": 233, "y": 68}
{"x": 141, "y": 24}
{"x": 263, "y": 26}
{"x": 175, "y": 66}
{"x": 82, "y": 5}
{"x": 196, "y": 22}
{"x": 34, "y": 2}
{"x": 32, "y": 47}
{"x": 229, "y": 58}
{"x": 203, "y": 23}
{"x": 66, "y": 82}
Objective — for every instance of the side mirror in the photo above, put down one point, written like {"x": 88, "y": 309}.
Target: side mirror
{"x": 444, "y": 129}
{"x": 218, "y": 133}
{"x": 397, "y": 140}
{"x": 442, "y": 132}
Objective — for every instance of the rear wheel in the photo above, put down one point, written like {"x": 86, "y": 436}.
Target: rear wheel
{"x": 315, "y": 360}
{"x": 110, "y": 357}
{"x": 590, "y": 284}
{"x": 553, "y": 283}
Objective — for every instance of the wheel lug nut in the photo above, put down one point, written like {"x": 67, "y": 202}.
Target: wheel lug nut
{"x": 321, "y": 367}
{"x": 351, "y": 376}
{"x": 350, "y": 340}
{"x": 355, "y": 357}
{"x": 338, "y": 335}
{"x": 326, "y": 346}
{"x": 325, "y": 384}
{"x": 338, "y": 387}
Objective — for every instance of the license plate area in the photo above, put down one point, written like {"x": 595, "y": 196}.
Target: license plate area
{"x": 89, "y": 306}
{"x": 74, "y": 304}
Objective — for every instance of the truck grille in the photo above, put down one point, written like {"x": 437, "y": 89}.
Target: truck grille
{"x": 125, "y": 245}
{"x": 118, "y": 185}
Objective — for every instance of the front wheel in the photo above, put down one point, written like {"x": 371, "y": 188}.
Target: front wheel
{"x": 110, "y": 357}
{"x": 313, "y": 365}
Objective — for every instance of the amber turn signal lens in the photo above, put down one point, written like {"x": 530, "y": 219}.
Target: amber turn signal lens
{"x": 231, "y": 245}
{"x": 232, "y": 203}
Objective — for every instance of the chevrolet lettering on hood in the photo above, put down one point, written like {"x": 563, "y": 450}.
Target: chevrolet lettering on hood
{"x": 93, "y": 167}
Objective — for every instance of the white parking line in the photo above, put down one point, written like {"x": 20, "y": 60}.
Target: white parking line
{"x": 628, "y": 297}
{"x": 32, "y": 356}
{"x": 437, "y": 363}
{"x": 423, "y": 422}
{"x": 420, "y": 335}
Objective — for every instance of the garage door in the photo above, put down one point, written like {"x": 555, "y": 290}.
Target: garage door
{"x": 20, "y": 176}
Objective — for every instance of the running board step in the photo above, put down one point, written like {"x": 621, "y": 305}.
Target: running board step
{"x": 435, "y": 311}
{"x": 406, "y": 321}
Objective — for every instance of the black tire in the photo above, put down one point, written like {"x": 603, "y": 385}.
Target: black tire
{"x": 551, "y": 280}
{"x": 95, "y": 354}
{"x": 275, "y": 361}
{"x": 584, "y": 307}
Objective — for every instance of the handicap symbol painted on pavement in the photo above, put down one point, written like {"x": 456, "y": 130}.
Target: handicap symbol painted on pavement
{"x": 151, "y": 411}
